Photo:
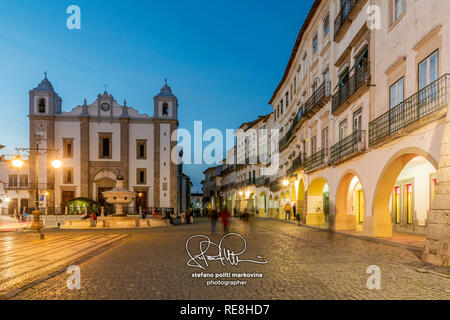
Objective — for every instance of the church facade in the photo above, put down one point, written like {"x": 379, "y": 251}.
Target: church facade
{"x": 98, "y": 141}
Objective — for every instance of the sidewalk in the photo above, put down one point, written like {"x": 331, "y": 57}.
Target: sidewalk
{"x": 402, "y": 240}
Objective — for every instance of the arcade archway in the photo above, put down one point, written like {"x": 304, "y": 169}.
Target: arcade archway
{"x": 318, "y": 205}
{"x": 404, "y": 193}
{"x": 350, "y": 203}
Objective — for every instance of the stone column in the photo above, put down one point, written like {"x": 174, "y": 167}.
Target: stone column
{"x": 173, "y": 170}
{"x": 32, "y": 162}
{"x": 125, "y": 151}
{"x": 437, "y": 245}
{"x": 51, "y": 155}
{"x": 157, "y": 164}
{"x": 84, "y": 158}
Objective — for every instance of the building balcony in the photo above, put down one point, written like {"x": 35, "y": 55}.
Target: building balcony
{"x": 241, "y": 184}
{"x": 349, "y": 147}
{"x": 28, "y": 187}
{"x": 251, "y": 182}
{"x": 319, "y": 98}
{"x": 298, "y": 164}
{"x": 262, "y": 181}
{"x": 276, "y": 185}
{"x": 412, "y": 112}
{"x": 317, "y": 160}
{"x": 17, "y": 187}
{"x": 227, "y": 187}
{"x": 343, "y": 21}
{"x": 284, "y": 142}
{"x": 353, "y": 87}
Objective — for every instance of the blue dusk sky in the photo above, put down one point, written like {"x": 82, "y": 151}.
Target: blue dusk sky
{"x": 223, "y": 60}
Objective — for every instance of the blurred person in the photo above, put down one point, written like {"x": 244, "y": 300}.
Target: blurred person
{"x": 225, "y": 215}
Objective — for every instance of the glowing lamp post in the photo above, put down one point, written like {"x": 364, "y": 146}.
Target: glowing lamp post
{"x": 18, "y": 163}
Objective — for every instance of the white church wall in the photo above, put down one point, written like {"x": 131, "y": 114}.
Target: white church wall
{"x": 165, "y": 153}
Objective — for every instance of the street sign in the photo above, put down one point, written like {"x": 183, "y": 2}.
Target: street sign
{"x": 41, "y": 198}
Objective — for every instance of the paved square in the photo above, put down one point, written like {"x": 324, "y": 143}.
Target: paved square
{"x": 303, "y": 263}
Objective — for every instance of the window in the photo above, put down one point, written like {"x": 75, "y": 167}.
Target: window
{"x": 12, "y": 180}
{"x": 141, "y": 177}
{"x": 313, "y": 145}
{"x": 326, "y": 26}
{"x": 105, "y": 145}
{"x": 295, "y": 84}
{"x": 287, "y": 99}
{"x": 398, "y": 9}
{"x": 325, "y": 138}
{"x": 357, "y": 119}
{"x": 315, "y": 44}
{"x": 41, "y": 106}
{"x": 165, "y": 187}
{"x": 396, "y": 93}
{"x": 141, "y": 149}
{"x": 343, "y": 130}
{"x": 326, "y": 79}
{"x": 67, "y": 148}
{"x": 282, "y": 104}
{"x": 305, "y": 67}
{"x": 23, "y": 180}
{"x": 67, "y": 176}
{"x": 346, "y": 6}
{"x": 165, "y": 111}
{"x": 428, "y": 70}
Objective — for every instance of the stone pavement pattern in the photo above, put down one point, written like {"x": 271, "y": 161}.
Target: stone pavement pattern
{"x": 303, "y": 264}
{"x": 25, "y": 258}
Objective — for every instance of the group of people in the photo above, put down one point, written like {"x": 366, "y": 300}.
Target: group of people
{"x": 291, "y": 210}
{"x": 187, "y": 217}
{"x": 21, "y": 216}
{"x": 225, "y": 217}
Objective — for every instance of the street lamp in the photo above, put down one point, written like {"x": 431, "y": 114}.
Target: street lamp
{"x": 56, "y": 164}
{"x": 18, "y": 163}
{"x": 285, "y": 183}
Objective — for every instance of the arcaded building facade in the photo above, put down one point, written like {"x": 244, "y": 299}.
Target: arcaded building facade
{"x": 363, "y": 125}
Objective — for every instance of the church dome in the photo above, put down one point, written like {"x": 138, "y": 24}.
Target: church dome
{"x": 45, "y": 84}
{"x": 166, "y": 91}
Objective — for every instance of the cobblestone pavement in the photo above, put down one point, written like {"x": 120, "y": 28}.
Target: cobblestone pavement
{"x": 303, "y": 264}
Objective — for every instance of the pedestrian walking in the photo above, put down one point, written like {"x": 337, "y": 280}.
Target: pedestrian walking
{"x": 93, "y": 219}
{"x": 226, "y": 221}
{"x": 191, "y": 216}
{"x": 294, "y": 212}
{"x": 213, "y": 216}
{"x": 287, "y": 209}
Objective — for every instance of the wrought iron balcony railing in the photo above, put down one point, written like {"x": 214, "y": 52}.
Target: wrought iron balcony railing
{"x": 360, "y": 77}
{"x": 276, "y": 185}
{"x": 317, "y": 100}
{"x": 16, "y": 186}
{"x": 342, "y": 18}
{"x": 29, "y": 186}
{"x": 298, "y": 163}
{"x": 350, "y": 146}
{"x": 317, "y": 160}
{"x": 262, "y": 181}
{"x": 419, "y": 106}
{"x": 284, "y": 142}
